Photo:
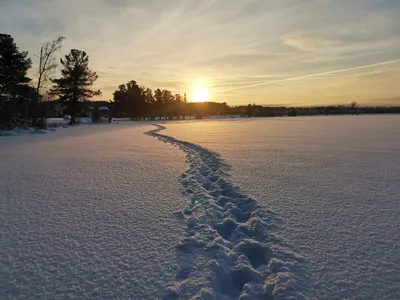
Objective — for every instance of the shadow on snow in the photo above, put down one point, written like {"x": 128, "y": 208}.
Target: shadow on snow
{"x": 229, "y": 250}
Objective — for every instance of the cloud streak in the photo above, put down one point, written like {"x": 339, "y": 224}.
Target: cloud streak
{"x": 307, "y": 41}
{"x": 236, "y": 47}
{"x": 310, "y": 76}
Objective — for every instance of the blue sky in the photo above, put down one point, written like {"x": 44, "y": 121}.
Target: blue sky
{"x": 277, "y": 52}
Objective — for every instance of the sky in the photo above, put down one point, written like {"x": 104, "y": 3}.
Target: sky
{"x": 276, "y": 52}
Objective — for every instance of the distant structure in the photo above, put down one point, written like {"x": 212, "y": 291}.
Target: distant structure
{"x": 104, "y": 112}
{"x": 103, "y": 108}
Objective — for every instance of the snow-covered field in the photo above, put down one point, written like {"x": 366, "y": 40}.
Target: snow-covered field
{"x": 334, "y": 184}
{"x": 229, "y": 250}
{"x": 282, "y": 208}
{"x": 85, "y": 213}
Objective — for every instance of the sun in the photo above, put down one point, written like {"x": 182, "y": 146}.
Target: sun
{"x": 200, "y": 95}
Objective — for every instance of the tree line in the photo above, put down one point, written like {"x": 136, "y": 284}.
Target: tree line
{"x": 254, "y": 110}
{"x": 23, "y": 104}
{"x": 21, "y": 101}
{"x": 140, "y": 102}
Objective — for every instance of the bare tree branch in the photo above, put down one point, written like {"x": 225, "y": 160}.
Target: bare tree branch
{"x": 47, "y": 62}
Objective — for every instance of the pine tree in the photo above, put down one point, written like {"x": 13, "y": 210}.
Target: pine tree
{"x": 13, "y": 68}
{"x": 158, "y": 95}
{"x": 75, "y": 82}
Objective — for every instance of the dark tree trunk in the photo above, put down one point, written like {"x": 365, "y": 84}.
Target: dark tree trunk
{"x": 26, "y": 111}
{"x": 73, "y": 109}
{"x": 14, "y": 106}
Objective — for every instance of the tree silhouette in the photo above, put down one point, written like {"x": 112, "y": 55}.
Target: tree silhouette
{"x": 47, "y": 63}
{"x": 163, "y": 103}
{"x": 149, "y": 103}
{"x": 354, "y": 106}
{"x": 129, "y": 101}
{"x": 159, "y": 101}
{"x": 13, "y": 80}
{"x": 75, "y": 82}
{"x": 168, "y": 100}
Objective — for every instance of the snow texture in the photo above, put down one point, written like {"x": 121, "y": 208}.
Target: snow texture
{"x": 228, "y": 250}
{"x": 86, "y": 213}
{"x": 335, "y": 184}
{"x": 15, "y": 132}
{"x": 95, "y": 212}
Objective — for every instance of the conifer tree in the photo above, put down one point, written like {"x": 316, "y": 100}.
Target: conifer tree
{"x": 14, "y": 65}
{"x": 75, "y": 82}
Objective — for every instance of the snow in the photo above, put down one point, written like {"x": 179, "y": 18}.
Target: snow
{"x": 280, "y": 208}
{"x": 333, "y": 183}
{"x": 84, "y": 120}
{"x": 86, "y": 213}
{"x": 228, "y": 250}
{"x": 56, "y": 122}
{"x": 15, "y": 132}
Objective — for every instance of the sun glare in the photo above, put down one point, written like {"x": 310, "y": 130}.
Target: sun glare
{"x": 200, "y": 95}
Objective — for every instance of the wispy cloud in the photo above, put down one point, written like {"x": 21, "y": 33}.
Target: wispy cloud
{"x": 318, "y": 75}
{"x": 239, "y": 48}
{"x": 307, "y": 41}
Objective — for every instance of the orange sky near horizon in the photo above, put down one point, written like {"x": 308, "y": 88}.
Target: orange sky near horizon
{"x": 278, "y": 52}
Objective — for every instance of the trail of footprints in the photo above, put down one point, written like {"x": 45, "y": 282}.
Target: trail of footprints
{"x": 228, "y": 251}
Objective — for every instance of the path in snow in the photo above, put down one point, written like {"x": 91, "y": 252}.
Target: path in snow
{"x": 228, "y": 250}
{"x": 335, "y": 182}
